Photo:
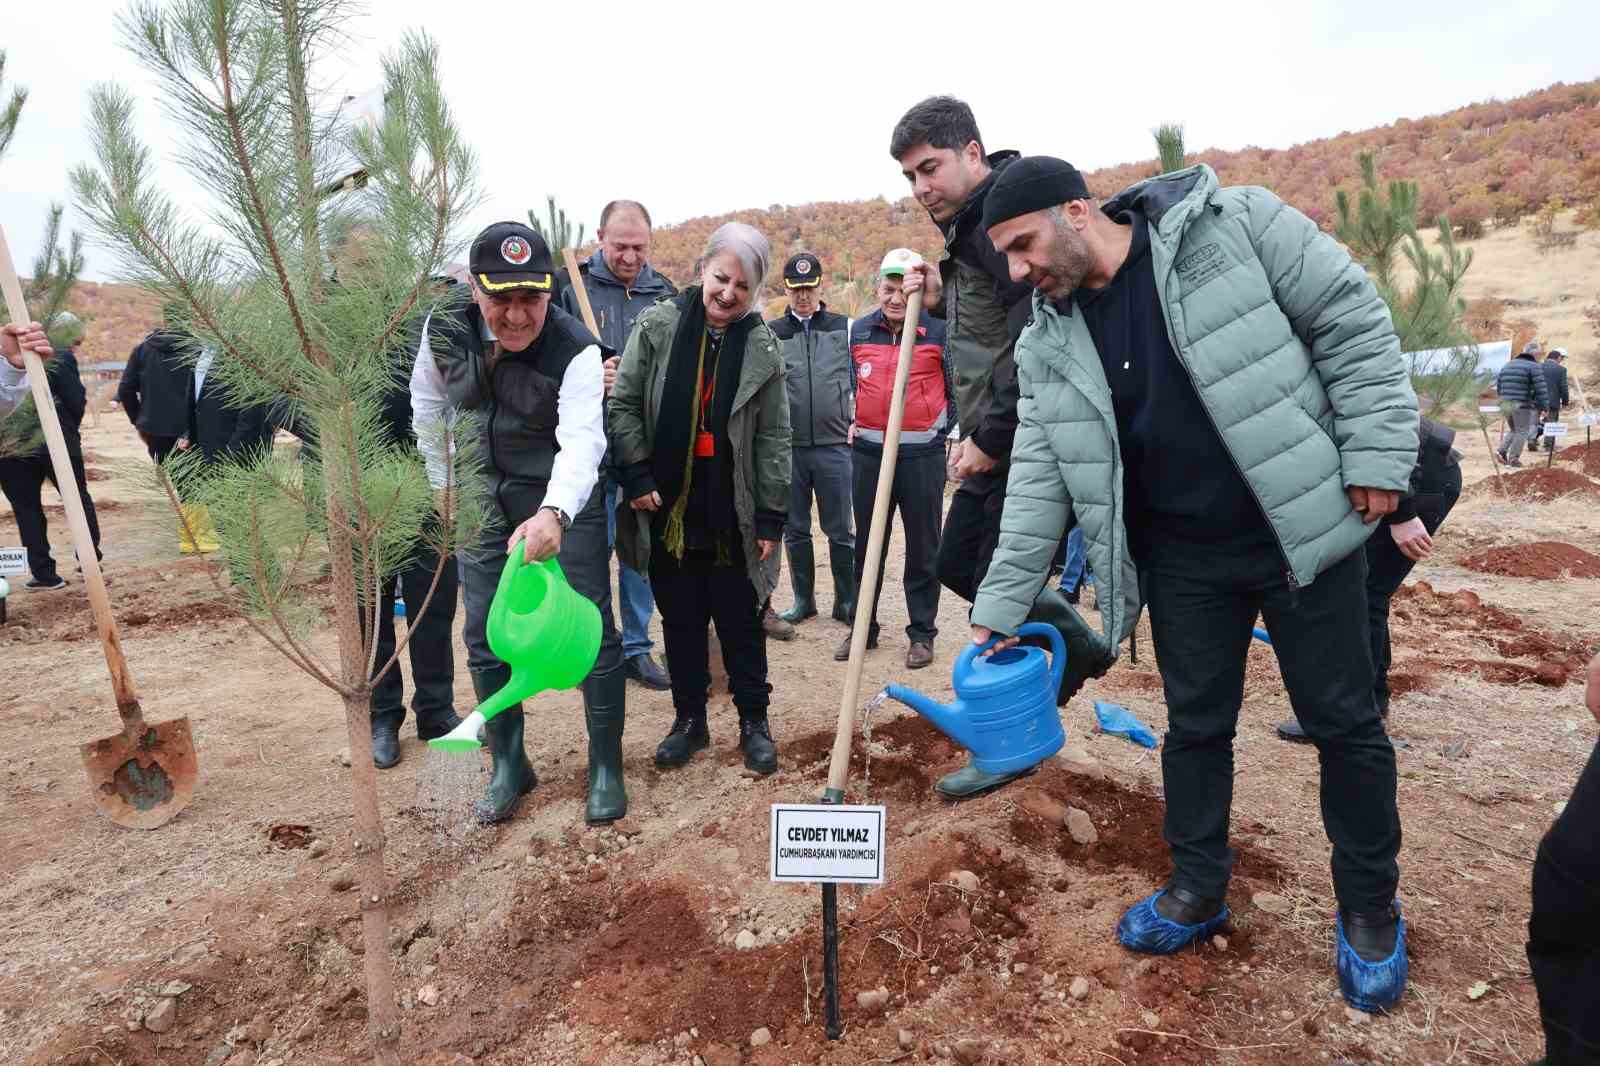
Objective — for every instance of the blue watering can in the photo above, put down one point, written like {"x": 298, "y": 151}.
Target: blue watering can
{"x": 1005, "y": 709}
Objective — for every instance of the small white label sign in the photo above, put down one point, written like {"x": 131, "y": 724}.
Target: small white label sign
{"x": 1555, "y": 429}
{"x": 13, "y": 561}
{"x": 1487, "y": 410}
{"x": 1586, "y": 420}
{"x": 824, "y": 842}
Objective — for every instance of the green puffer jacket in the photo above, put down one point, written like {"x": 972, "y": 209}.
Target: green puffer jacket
{"x": 758, "y": 428}
{"x": 1294, "y": 358}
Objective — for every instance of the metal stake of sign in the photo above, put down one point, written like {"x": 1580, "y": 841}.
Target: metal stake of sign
{"x": 866, "y": 604}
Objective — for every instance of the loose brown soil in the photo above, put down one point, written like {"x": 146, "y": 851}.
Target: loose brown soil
{"x": 541, "y": 941}
{"x": 1538, "y": 483}
{"x": 1544, "y": 559}
{"x": 1585, "y": 459}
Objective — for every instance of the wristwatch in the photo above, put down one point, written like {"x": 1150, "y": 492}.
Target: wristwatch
{"x": 561, "y": 516}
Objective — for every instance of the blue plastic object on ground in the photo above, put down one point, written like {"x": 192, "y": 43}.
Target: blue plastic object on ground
{"x": 1372, "y": 986}
{"x": 1261, "y": 635}
{"x": 1142, "y": 929}
{"x": 1121, "y": 722}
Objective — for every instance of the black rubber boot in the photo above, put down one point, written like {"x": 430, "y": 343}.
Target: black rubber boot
{"x": 513, "y": 776}
{"x": 843, "y": 561}
{"x": 386, "y": 738}
{"x": 755, "y": 740}
{"x": 436, "y": 725}
{"x": 1371, "y": 934}
{"x": 687, "y": 736}
{"x": 1089, "y": 655}
{"x": 803, "y": 579}
{"x": 605, "y": 705}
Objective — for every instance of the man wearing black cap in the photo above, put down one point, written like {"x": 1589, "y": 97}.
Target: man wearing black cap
{"x": 816, "y": 354}
{"x": 532, "y": 376}
{"x": 941, "y": 154}
{"x": 1214, "y": 390}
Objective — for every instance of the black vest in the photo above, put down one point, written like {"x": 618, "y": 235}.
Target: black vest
{"x": 516, "y": 403}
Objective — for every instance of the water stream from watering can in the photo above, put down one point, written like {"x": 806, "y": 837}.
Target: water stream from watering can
{"x": 447, "y": 786}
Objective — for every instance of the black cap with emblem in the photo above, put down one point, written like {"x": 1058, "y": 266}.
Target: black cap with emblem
{"x": 509, "y": 255}
{"x": 803, "y": 271}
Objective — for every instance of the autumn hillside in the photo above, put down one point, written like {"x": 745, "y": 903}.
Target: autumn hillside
{"x": 1491, "y": 163}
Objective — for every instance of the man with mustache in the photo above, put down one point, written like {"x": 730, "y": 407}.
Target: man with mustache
{"x": 1213, "y": 388}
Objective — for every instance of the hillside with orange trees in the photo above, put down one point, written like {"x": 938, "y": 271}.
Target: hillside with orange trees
{"x": 1488, "y": 163}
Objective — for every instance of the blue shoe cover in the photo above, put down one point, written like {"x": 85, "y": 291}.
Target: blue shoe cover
{"x": 1142, "y": 929}
{"x": 1372, "y": 986}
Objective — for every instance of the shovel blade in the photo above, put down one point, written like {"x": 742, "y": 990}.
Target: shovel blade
{"x": 143, "y": 781}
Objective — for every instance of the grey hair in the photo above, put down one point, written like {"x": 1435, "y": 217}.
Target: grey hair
{"x": 746, "y": 244}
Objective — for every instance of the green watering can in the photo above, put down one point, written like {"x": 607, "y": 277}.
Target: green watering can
{"x": 542, "y": 628}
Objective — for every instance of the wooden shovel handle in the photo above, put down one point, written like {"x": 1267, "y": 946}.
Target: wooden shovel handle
{"x": 67, "y": 483}
{"x": 575, "y": 276}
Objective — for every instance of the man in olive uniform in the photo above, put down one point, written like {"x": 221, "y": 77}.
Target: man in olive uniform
{"x": 532, "y": 374}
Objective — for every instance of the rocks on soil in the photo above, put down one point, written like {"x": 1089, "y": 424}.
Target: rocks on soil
{"x": 761, "y": 1037}
{"x": 1081, "y": 826}
{"x": 1272, "y": 903}
{"x": 162, "y": 1016}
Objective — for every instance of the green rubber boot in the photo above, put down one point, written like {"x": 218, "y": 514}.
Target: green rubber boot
{"x": 843, "y": 560}
{"x": 1088, "y": 653}
{"x": 803, "y": 579}
{"x": 513, "y": 775}
{"x": 605, "y": 705}
{"x": 971, "y": 781}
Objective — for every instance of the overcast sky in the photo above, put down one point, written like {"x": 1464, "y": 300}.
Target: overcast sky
{"x": 745, "y": 105}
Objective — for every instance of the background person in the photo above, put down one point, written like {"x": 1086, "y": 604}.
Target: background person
{"x": 620, "y": 284}
{"x": 13, "y": 375}
{"x": 155, "y": 388}
{"x": 816, "y": 353}
{"x": 700, "y": 427}
{"x": 533, "y": 376}
{"x": 1307, "y": 432}
{"x": 918, "y": 491}
{"x": 1554, "y": 369}
{"x": 1521, "y": 383}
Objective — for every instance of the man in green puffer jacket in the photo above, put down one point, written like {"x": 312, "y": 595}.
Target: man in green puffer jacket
{"x": 1212, "y": 387}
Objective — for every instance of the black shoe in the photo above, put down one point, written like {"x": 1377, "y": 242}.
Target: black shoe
{"x": 644, "y": 669}
{"x": 687, "y": 736}
{"x": 755, "y": 740}
{"x": 436, "y": 725}
{"x": 1185, "y": 907}
{"x": 1292, "y": 732}
{"x": 1072, "y": 597}
{"x": 1371, "y": 934}
{"x": 385, "y": 741}
{"x": 44, "y": 584}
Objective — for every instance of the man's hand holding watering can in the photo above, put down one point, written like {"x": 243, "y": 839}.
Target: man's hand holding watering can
{"x": 983, "y": 634}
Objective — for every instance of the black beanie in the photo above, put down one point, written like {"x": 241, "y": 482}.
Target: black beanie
{"x": 1032, "y": 184}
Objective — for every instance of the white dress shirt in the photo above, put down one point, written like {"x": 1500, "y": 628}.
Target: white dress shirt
{"x": 580, "y": 424}
{"x": 13, "y": 387}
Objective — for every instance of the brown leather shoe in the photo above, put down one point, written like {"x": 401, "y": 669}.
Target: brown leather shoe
{"x": 841, "y": 654}
{"x": 918, "y": 655}
{"x": 776, "y": 627}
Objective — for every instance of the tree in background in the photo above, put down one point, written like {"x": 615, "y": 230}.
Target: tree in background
{"x": 11, "y": 111}
{"x": 55, "y": 272}
{"x": 1429, "y": 313}
{"x": 252, "y": 277}
{"x": 555, "y": 229}
{"x": 1169, "y": 146}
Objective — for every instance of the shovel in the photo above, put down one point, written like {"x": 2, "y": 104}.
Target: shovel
{"x": 143, "y": 776}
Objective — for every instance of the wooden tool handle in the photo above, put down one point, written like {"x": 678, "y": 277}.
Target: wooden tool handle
{"x": 867, "y": 593}
{"x": 575, "y": 276}
{"x": 67, "y": 483}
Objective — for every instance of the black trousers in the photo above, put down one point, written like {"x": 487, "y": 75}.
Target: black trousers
{"x": 20, "y": 481}
{"x": 1564, "y": 930}
{"x": 432, "y": 645}
{"x": 160, "y": 447}
{"x": 971, "y": 532}
{"x": 1387, "y": 568}
{"x": 1201, "y": 618}
{"x": 918, "y": 494}
{"x": 692, "y": 595}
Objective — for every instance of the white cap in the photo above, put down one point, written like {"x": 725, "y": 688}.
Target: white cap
{"x": 899, "y": 261}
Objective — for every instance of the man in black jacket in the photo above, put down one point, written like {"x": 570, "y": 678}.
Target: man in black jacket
{"x": 816, "y": 355}
{"x": 156, "y": 386}
{"x": 1555, "y": 381}
{"x": 941, "y": 154}
{"x": 1521, "y": 384}
{"x": 21, "y": 477}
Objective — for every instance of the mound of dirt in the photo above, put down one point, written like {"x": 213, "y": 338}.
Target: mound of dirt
{"x": 1546, "y": 559}
{"x": 1585, "y": 459}
{"x": 1538, "y": 484}
{"x": 1439, "y": 626}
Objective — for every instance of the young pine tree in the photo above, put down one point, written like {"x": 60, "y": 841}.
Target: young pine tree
{"x": 1169, "y": 146}
{"x": 55, "y": 272}
{"x": 254, "y": 280}
{"x": 556, "y": 229}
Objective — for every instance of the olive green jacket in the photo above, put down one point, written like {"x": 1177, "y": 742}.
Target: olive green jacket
{"x": 758, "y": 428}
{"x": 1294, "y": 358}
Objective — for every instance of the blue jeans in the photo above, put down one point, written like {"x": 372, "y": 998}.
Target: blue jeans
{"x": 1075, "y": 567}
{"x": 636, "y": 600}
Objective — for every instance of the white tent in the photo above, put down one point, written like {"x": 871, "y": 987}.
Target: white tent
{"x": 1492, "y": 355}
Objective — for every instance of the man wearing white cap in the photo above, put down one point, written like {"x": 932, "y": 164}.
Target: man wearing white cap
{"x": 930, "y": 407}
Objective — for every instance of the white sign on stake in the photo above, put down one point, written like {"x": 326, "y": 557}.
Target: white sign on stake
{"x": 1487, "y": 410}
{"x": 1555, "y": 429}
{"x": 1586, "y": 420}
{"x": 828, "y": 842}
{"x": 13, "y": 561}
